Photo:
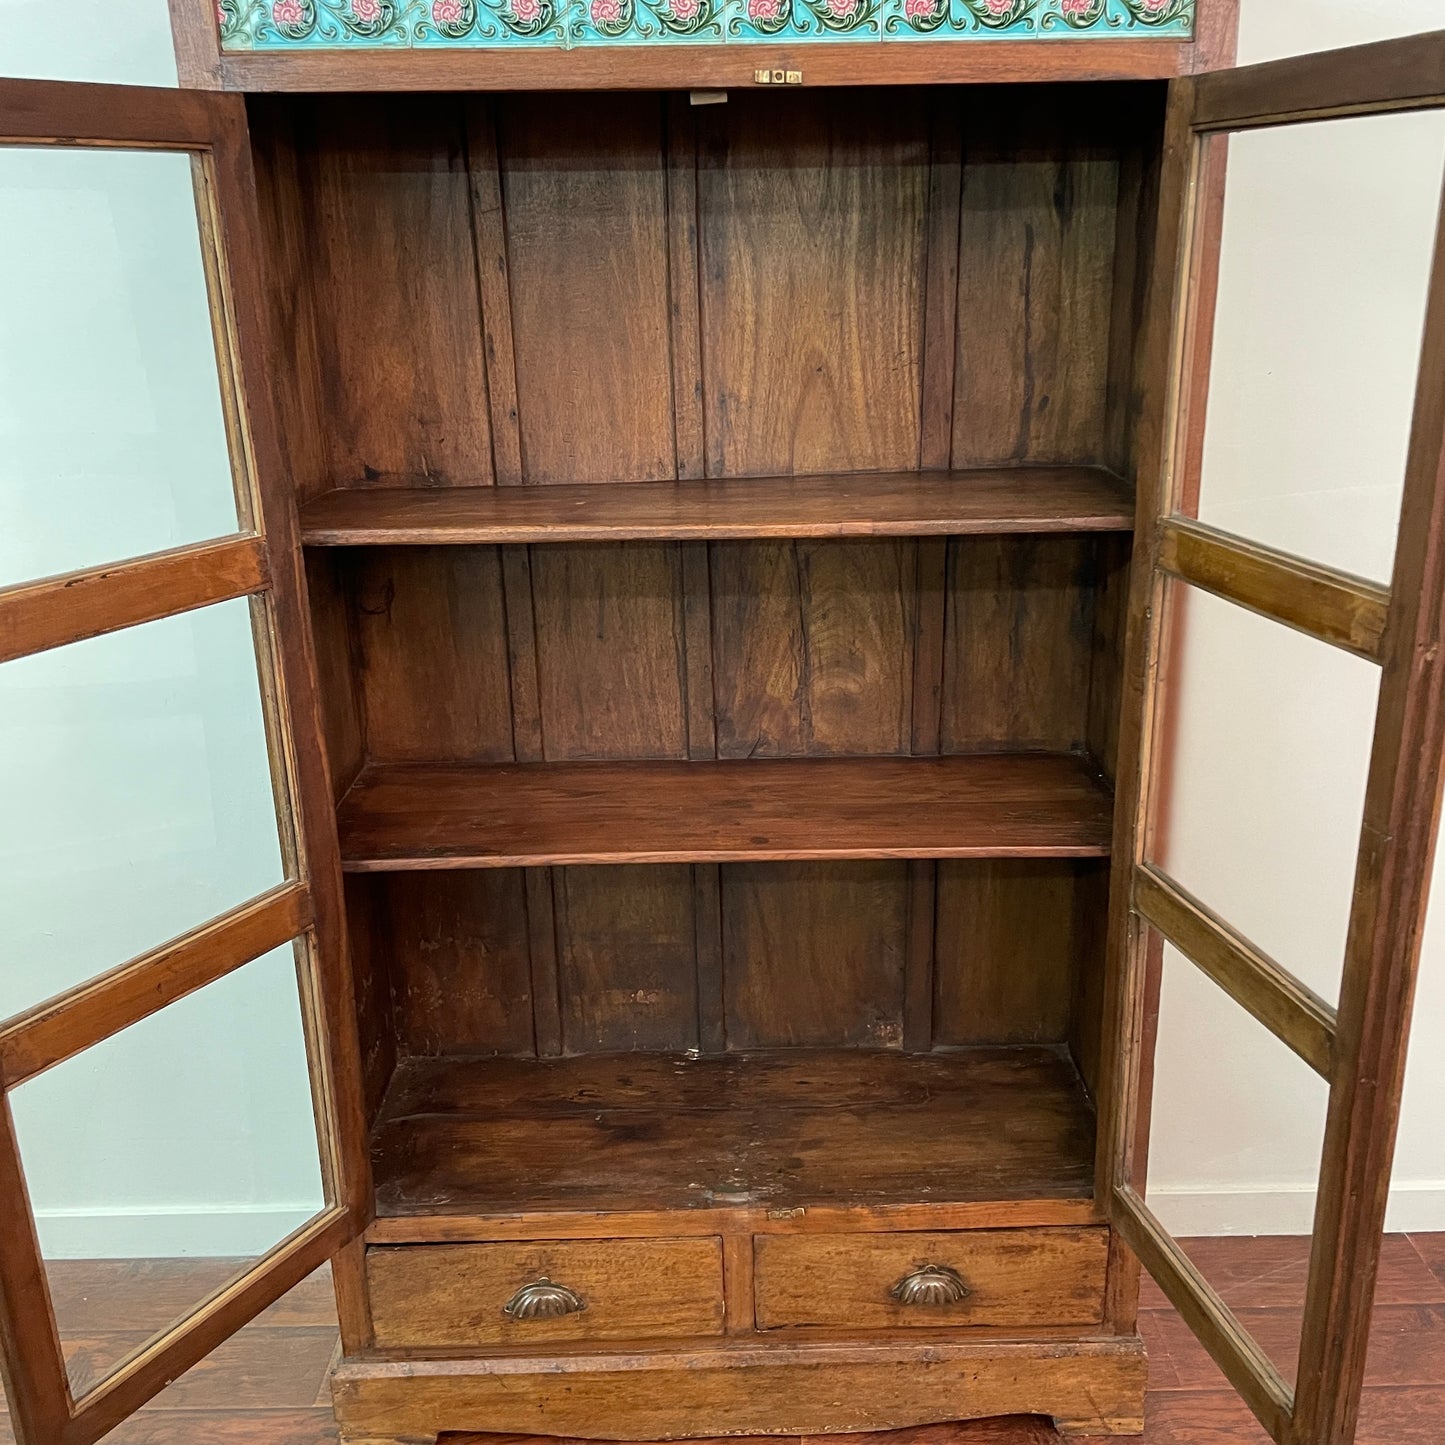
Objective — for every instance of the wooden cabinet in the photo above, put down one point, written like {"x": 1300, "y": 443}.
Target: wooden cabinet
{"x": 712, "y": 559}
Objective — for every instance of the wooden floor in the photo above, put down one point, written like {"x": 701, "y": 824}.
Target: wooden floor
{"x": 268, "y": 1385}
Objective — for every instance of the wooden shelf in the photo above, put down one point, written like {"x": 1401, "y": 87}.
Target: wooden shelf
{"x": 512, "y": 1141}
{"x": 459, "y": 815}
{"x": 893, "y": 504}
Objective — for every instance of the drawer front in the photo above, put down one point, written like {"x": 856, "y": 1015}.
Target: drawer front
{"x": 1004, "y": 1277}
{"x": 436, "y": 1295}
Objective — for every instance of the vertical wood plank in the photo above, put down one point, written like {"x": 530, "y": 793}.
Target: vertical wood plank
{"x": 684, "y": 305}
{"x": 929, "y": 628}
{"x": 813, "y": 954}
{"x": 697, "y": 649}
{"x": 1035, "y": 282}
{"x": 461, "y": 978}
{"x": 611, "y": 666}
{"x": 1007, "y": 948}
{"x": 918, "y": 960}
{"x": 813, "y": 647}
{"x": 431, "y": 630}
{"x": 327, "y": 983}
{"x": 1019, "y": 643}
{"x": 197, "y": 42}
{"x": 707, "y": 916}
{"x": 626, "y": 958}
{"x": 528, "y": 743}
{"x": 489, "y": 239}
{"x": 388, "y": 231}
{"x": 585, "y": 206}
{"x": 542, "y": 952}
{"x": 812, "y": 281}
{"x": 738, "y": 1289}
{"x": 1124, "y": 1029}
{"x": 940, "y": 303}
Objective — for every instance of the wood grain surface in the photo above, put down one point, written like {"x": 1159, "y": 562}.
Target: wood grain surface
{"x": 842, "y": 504}
{"x": 990, "y": 805}
{"x": 601, "y": 1134}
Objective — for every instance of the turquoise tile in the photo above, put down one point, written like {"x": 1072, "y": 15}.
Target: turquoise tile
{"x": 482, "y": 24}
{"x": 814, "y": 20}
{"x": 1036, "y": 19}
{"x": 645, "y": 22}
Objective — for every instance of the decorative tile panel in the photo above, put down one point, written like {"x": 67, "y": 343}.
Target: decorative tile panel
{"x": 645, "y": 22}
{"x": 371, "y": 24}
{"x": 790, "y": 20}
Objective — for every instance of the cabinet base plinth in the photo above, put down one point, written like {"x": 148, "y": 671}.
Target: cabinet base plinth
{"x": 1093, "y": 1387}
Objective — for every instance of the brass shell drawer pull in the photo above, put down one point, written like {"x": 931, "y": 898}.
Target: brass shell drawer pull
{"x": 543, "y": 1300}
{"x": 930, "y": 1284}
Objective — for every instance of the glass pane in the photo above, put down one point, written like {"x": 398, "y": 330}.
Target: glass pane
{"x": 112, "y": 438}
{"x": 1317, "y": 334}
{"x": 1266, "y": 738}
{"x": 135, "y": 788}
{"x": 1236, "y": 1141}
{"x": 166, "y": 1160}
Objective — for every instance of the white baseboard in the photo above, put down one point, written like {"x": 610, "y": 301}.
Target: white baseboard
{"x": 1416, "y": 1208}
{"x": 151, "y": 1232}
{"x": 247, "y": 1229}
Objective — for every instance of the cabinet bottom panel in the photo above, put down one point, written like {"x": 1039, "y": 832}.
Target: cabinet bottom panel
{"x": 1089, "y": 1386}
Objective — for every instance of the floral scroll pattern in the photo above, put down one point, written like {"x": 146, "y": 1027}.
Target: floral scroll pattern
{"x": 294, "y": 24}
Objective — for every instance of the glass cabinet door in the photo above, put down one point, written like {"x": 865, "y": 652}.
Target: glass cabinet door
{"x": 174, "y": 1055}
{"x": 1282, "y": 757}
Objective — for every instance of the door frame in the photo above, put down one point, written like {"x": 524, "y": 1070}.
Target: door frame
{"x": 261, "y": 562}
{"x": 1360, "y": 1045}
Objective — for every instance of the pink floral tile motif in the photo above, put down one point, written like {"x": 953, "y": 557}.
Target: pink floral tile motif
{"x": 645, "y": 22}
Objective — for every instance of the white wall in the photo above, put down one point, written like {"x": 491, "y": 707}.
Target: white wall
{"x": 135, "y": 791}
{"x": 1318, "y": 336}
{"x": 1237, "y": 1123}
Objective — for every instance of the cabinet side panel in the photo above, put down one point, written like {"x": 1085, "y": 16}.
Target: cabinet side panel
{"x": 813, "y": 647}
{"x": 626, "y": 958}
{"x": 1018, "y": 643}
{"x": 368, "y": 935}
{"x": 813, "y": 953}
{"x": 811, "y": 241}
{"x": 336, "y": 668}
{"x": 585, "y": 202}
{"x": 391, "y": 260}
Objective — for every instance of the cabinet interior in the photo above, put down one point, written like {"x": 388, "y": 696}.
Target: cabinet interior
{"x": 529, "y": 292}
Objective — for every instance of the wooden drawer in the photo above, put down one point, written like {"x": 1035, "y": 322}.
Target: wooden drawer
{"x": 1005, "y": 1277}
{"x": 455, "y": 1294}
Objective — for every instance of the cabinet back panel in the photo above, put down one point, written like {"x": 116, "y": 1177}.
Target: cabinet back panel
{"x": 742, "y": 956}
{"x": 621, "y": 287}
